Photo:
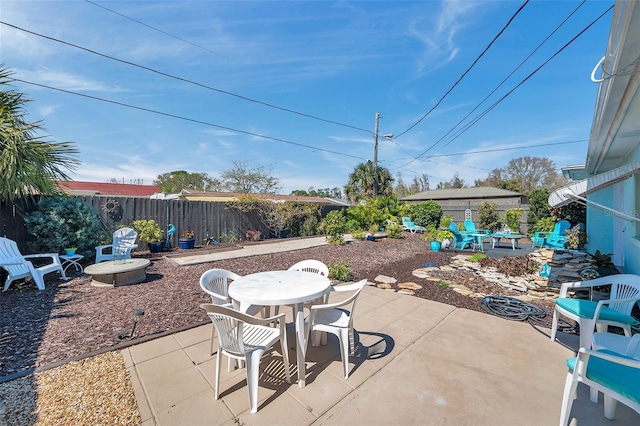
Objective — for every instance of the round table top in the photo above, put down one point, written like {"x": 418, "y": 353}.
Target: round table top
{"x": 279, "y": 288}
{"x": 111, "y": 267}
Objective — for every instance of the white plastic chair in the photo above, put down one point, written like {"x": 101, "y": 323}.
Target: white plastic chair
{"x": 246, "y": 338}
{"x": 625, "y": 291}
{"x": 215, "y": 282}
{"x": 616, "y": 376}
{"x": 337, "y": 319}
{"x": 311, "y": 265}
{"x": 19, "y": 266}
{"x": 124, "y": 240}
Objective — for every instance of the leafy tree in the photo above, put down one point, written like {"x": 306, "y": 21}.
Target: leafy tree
{"x": 538, "y": 206}
{"x": 178, "y": 180}
{"x": 419, "y": 184}
{"x": 243, "y": 179}
{"x": 525, "y": 174}
{"x": 277, "y": 217}
{"x": 455, "y": 182}
{"x": 400, "y": 190}
{"x": 30, "y": 165}
{"x": 427, "y": 213}
{"x": 321, "y": 192}
{"x": 62, "y": 222}
{"x": 365, "y": 182}
{"x": 488, "y": 216}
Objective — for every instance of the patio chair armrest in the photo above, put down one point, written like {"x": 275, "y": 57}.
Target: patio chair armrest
{"x": 102, "y": 247}
{"x": 601, "y": 303}
{"x": 576, "y": 285}
{"x": 617, "y": 359}
{"x": 55, "y": 260}
{"x": 11, "y": 261}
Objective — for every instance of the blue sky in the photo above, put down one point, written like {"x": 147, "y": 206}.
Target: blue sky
{"x": 338, "y": 61}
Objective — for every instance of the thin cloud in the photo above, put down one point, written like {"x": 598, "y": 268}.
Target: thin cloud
{"x": 66, "y": 81}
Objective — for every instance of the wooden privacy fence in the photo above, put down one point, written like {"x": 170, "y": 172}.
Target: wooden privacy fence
{"x": 202, "y": 217}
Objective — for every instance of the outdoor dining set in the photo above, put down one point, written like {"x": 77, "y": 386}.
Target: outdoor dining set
{"x": 243, "y": 336}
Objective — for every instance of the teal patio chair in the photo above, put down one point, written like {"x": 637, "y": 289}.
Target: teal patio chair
{"x": 409, "y": 225}
{"x": 470, "y": 228}
{"x": 460, "y": 239}
{"x": 554, "y": 239}
{"x": 589, "y": 314}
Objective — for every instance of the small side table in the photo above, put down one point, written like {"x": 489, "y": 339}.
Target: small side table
{"x": 71, "y": 260}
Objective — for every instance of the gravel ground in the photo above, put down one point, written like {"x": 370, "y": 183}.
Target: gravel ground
{"x": 72, "y": 318}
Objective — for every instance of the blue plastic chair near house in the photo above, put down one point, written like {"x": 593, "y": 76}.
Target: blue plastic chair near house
{"x": 460, "y": 239}
{"x": 554, "y": 239}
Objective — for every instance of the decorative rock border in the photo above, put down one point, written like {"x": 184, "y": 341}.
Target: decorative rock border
{"x": 565, "y": 266}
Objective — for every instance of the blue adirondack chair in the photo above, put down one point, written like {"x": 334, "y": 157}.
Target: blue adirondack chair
{"x": 470, "y": 227}
{"x": 458, "y": 238}
{"x": 554, "y": 239}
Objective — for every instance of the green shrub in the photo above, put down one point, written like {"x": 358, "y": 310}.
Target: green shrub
{"x": 545, "y": 224}
{"x": 339, "y": 270}
{"x": 62, "y": 222}
{"x": 373, "y": 229}
{"x": 334, "y": 225}
{"x": 148, "y": 230}
{"x": 512, "y": 219}
{"x": 394, "y": 231}
{"x": 441, "y": 283}
{"x": 445, "y": 221}
{"x": 358, "y": 235}
{"x": 488, "y": 216}
{"x": 426, "y": 213}
{"x": 476, "y": 257}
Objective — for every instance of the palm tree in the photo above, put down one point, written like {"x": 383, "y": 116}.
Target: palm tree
{"x": 365, "y": 182}
{"x": 30, "y": 165}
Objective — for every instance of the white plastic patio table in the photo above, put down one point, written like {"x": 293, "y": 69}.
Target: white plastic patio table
{"x": 275, "y": 288}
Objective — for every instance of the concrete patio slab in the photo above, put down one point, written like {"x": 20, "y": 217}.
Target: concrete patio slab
{"x": 421, "y": 363}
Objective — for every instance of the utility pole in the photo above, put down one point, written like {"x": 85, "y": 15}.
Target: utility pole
{"x": 375, "y": 155}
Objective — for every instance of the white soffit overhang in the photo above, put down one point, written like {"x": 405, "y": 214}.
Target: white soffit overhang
{"x": 569, "y": 193}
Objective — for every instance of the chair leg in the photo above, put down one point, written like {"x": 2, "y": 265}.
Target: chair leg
{"x": 344, "y": 351}
{"x": 218, "y": 365}
{"x": 570, "y": 387}
{"x": 593, "y": 394}
{"x": 253, "y": 361}
{"x": 610, "y": 405}
{"x": 213, "y": 336}
{"x": 554, "y": 325}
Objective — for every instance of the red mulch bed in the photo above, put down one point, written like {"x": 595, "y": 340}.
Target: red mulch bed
{"x": 72, "y": 318}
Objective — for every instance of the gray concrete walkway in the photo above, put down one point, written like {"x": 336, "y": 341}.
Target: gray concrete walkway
{"x": 254, "y": 250}
{"x": 417, "y": 362}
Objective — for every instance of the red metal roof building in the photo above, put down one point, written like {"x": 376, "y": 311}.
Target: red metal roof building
{"x": 105, "y": 188}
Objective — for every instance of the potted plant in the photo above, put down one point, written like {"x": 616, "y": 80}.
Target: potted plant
{"x": 70, "y": 251}
{"x": 436, "y": 237}
{"x": 149, "y": 232}
{"x": 188, "y": 240}
{"x": 253, "y": 235}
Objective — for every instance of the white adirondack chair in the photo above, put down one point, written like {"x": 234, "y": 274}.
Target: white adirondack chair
{"x": 19, "y": 266}
{"x": 124, "y": 240}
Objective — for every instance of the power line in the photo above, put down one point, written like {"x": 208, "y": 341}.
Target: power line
{"x": 495, "y": 104}
{"x": 508, "y": 149}
{"x": 244, "y": 98}
{"x": 504, "y": 80}
{"x": 161, "y": 31}
{"x": 193, "y": 120}
{"x": 467, "y": 70}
